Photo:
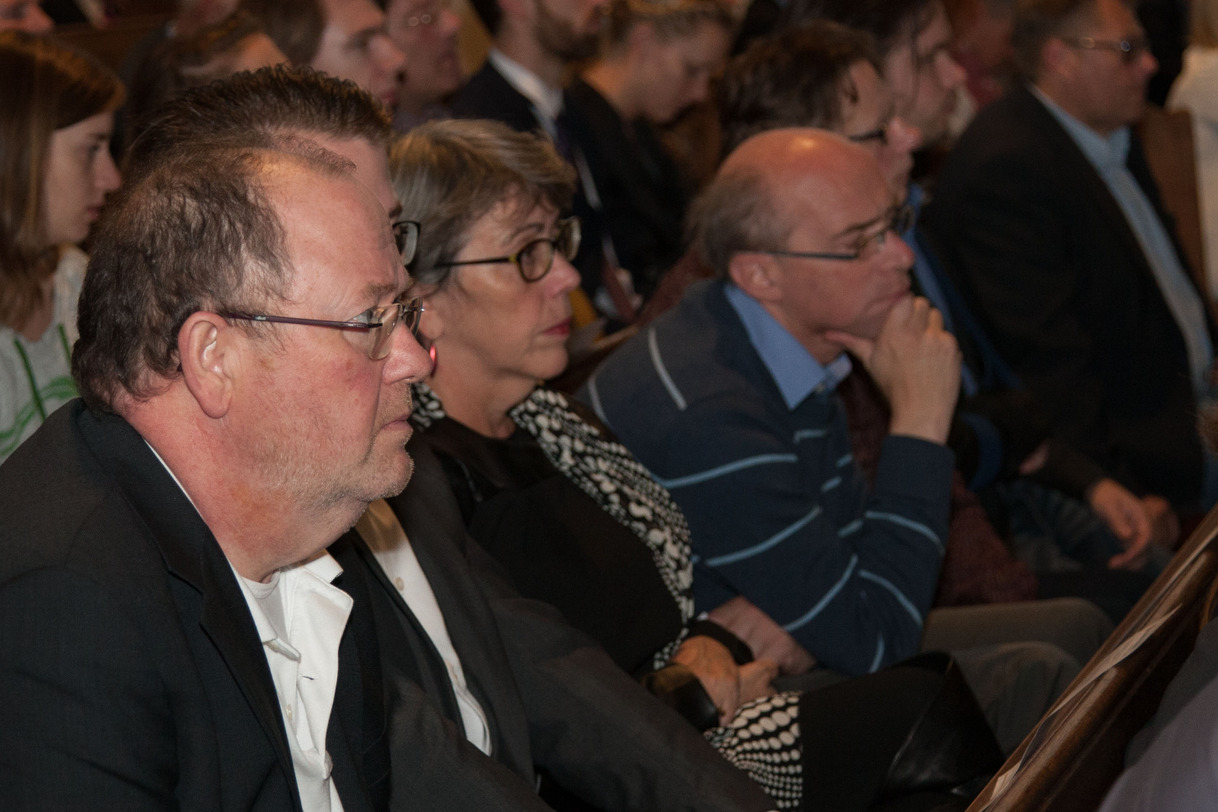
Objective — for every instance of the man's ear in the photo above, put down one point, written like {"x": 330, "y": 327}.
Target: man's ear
{"x": 1056, "y": 58}
{"x": 206, "y": 353}
{"x": 756, "y": 274}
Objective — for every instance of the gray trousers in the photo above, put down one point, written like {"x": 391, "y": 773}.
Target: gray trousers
{"x": 1018, "y": 657}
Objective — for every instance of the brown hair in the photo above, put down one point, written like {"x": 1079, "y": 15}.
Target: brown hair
{"x": 48, "y": 86}
{"x": 669, "y": 18}
{"x": 296, "y": 26}
{"x": 276, "y": 99}
{"x": 448, "y": 174}
{"x": 795, "y": 79}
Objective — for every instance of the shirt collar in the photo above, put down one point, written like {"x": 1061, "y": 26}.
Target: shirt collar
{"x": 793, "y": 368}
{"x": 1102, "y": 151}
{"x": 545, "y": 99}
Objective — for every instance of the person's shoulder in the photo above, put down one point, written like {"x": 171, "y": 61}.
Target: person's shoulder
{"x": 679, "y": 345}
{"x": 488, "y": 94}
{"x": 55, "y": 498}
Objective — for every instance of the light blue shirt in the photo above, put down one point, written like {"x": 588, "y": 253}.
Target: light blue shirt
{"x": 791, "y": 366}
{"x": 1107, "y": 154}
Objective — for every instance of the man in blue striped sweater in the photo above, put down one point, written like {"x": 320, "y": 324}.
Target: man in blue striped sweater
{"x": 729, "y": 400}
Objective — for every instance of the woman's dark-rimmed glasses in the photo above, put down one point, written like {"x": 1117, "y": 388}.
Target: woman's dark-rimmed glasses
{"x": 535, "y": 259}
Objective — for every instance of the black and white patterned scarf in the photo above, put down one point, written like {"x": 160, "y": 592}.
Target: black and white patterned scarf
{"x": 608, "y": 473}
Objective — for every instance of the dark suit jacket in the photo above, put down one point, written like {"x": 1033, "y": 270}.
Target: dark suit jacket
{"x": 1041, "y": 249}
{"x": 132, "y": 674}
{"x": 551, "y": 696}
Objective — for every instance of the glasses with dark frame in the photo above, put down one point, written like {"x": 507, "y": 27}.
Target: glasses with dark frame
{"x": 535, "y": 259}
{"x": 900, "y": 219}
{"x": 406, "y": 237}
{"x": 1128, "y": 49}
{"x": 379, "y": 322}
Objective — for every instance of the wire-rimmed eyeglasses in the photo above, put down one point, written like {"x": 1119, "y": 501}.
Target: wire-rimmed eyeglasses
{"x": 1128, "y": 49}
{"x": 379, "y": 322}
{"x": 535, "y": 259}
{"x": 900, "y": 219}
{"x": 406, "y": 237}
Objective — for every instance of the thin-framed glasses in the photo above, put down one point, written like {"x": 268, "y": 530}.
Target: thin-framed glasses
{"x": 406, "y": 237}
{"x": 379, "y": 322}
{"x": 899, "y": 220}
{"x": 535, "y": 259}
{"x": 1129, "y": 49}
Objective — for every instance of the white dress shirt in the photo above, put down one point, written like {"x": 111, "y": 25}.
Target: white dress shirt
{"x": 387, "y": 540}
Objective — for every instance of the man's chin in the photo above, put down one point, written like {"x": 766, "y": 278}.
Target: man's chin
{"x": 401, "y": 479}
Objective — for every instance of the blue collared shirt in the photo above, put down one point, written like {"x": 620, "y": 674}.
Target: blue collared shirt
{"x": 793, "y": 368}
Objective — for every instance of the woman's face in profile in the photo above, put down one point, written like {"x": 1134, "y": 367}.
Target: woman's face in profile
{"x": 79, "y": 175}
{"x": 487, "y": 321}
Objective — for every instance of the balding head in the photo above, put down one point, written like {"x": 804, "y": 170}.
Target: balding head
{"x": 802, "y": 221}
{"x": 749, "y": 204}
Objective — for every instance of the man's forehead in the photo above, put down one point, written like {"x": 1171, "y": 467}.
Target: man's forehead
{"x": 371, "y": 165}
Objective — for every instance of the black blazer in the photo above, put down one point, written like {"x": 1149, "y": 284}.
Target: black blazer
{"x": 552, "y": 697}
{"x": 1042, "y": 250}
{"x": 131, "y": 670}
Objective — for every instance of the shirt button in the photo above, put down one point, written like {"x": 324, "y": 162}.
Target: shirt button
{"x": 399, "y": 584}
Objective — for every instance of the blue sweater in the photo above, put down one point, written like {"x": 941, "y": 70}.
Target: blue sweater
{"x": 779, "y": 510}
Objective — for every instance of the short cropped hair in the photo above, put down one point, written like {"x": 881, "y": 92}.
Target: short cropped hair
{"x": 669, "y": 18}
{"x": 797, "y": 78}
{"x": 50, "y": 85}
{"x": 449, "y": 174}
{"x": 890, "y": 22}
{"x": 197, "y": 231}
{"x": 736, "y": 212}
{"x": 1038, "y": 21}
{"x": 295, "y": 26}
{"x": 269, "y": 100}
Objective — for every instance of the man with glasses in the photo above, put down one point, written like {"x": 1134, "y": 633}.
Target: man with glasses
{"x": 1001, "y": 436}
{"x": 426, "y": 33}
{"x": 1048, "y": 218}
{"x": 174, "y": 632}
{"x": 729, "y": 400}
{"x": 481, "y": 686}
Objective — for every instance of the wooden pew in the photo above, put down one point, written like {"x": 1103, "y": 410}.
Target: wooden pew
{"x": 1068, "y": 763}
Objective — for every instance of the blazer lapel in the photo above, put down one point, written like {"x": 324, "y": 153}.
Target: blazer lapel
{"x": 192, "y": 554}
{"x": 429, "y": 514}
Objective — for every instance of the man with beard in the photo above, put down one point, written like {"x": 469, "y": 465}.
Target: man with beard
{"x": 521, "y": 85}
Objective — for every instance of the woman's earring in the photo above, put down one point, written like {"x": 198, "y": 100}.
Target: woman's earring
{"x": 431, "y": 352}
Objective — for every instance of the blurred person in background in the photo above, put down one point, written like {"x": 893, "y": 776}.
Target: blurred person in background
{"x": 658, "y": 60}
{"x": 55, "y": 172}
